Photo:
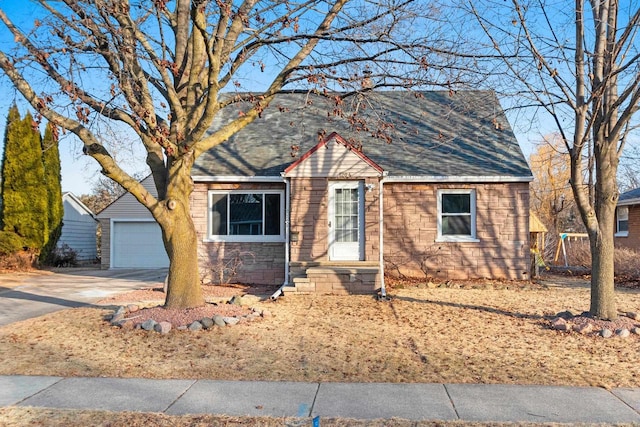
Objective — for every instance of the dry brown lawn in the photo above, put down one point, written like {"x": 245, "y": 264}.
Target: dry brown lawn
{"x": 43, "y": 417}
{"x": 432, "y": 335}
{"x": 421, "y": 335}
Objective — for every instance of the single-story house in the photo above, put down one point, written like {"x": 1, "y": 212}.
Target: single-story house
{"x": 328, "y": 195}
{"x": 628, "y": 220}
{"x": 131, "y": 238}
{"x": 79, "y": 226}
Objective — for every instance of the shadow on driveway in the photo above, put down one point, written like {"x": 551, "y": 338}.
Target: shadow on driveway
{"x": 47, "y": 299}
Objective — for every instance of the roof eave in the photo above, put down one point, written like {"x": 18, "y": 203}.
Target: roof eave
{"x": 461, "y": 178}
{"x": 236, "y": 178}
{"x": 634, "y": 201}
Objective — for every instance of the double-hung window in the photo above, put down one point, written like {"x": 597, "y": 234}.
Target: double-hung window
{"x": 246, "y": 216}
{"x": 622, "y": 221}
{"x": 457, "y": 216}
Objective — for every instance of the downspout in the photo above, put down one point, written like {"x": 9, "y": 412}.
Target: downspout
{"x": 383, "y": 289}
{"x": 287, "y": 238}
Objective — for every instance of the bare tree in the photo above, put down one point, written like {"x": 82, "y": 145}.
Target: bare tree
{"x": 580, "y": 65}
{"x": 551, "y": 196}
{"x": 629, "y": 173}
{"x": 104, "y": 191}
{"x": 162, "y": 69}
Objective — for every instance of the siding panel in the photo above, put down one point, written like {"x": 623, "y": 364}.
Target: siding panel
{"x": 333, "y": 160}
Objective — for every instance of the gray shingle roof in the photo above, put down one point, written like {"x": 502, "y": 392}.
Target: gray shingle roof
{"x": 630, "y": 195}
{"x": 434, "y": 133}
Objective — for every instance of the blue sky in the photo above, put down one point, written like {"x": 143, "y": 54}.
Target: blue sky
{"x": 79, "y": 172}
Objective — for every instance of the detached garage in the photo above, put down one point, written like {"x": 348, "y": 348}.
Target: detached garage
{"x": 131, "y": 238}
{"x": 137, "y": 244}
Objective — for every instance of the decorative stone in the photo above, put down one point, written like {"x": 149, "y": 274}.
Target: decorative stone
{"x": 636, "y": 330}
{"x": 162, "y": 327}
{"x": 195, "y": 326}
{"x": 127, "y": 325}
{"x": 218, "y": 320}
{"x": 230, "y": 320}
{"x": 606, "y": 333}
{"x": 622, "y": 333}
{"x": 559, "y": 324}
{"x": 132, "y": 308}
{"x": 207, "y": 322}
{"x": 149, "y": 325}
{"x": 117, "y": 318}
{"x": 633, "y": 315}
{"x": 585, "y": 328}
{"x": 182, "y": 328}
{"x": 266, "y": 313}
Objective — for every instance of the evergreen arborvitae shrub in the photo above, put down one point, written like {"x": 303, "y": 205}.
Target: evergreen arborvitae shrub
{"x": 24, "y": 194}
{"x": 10, "y": 243}
{"x": 8, "y": 163}
{"x": 51, "y": 161}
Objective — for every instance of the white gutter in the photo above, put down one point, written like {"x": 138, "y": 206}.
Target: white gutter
{"x": 468, "y": 178}
{"x": 233, "y": 178}
{"x": 287, "y": 237}
{"x": 628, "y": 202}
{"x": 383, "y": 289}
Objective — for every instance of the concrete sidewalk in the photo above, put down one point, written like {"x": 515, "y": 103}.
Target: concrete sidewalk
{"x": 445, "y": 402}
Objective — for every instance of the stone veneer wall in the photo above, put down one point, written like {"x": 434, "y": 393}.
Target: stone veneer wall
{"x": 262, "y": 262}
{"x": 309, "y": 220}
{"x": 631, "y": 241}
{"x": 502, "y": 226}
{"x": 105, "y": 243}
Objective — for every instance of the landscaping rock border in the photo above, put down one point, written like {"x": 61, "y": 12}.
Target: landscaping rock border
{"x": 124, "y": 317}
{"x": 585, "y": 324}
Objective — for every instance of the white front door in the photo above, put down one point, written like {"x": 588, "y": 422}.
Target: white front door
{"x": 346, "y": 221}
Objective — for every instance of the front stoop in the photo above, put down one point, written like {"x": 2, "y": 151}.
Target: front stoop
{"x": 337, "y": 279}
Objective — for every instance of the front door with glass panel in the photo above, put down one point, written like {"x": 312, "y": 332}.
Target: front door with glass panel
{"x": 346, "y": 220}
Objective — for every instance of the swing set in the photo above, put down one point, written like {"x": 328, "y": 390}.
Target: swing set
{"x": 568, "y": 237}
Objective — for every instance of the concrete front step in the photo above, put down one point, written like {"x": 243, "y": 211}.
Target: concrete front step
{"x": 340, "y": 279}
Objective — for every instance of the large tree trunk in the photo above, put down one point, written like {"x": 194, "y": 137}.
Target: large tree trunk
{"x": 603, "y": 300}
{"x": 180, "y": 240}
{"x": 603, "y": 304}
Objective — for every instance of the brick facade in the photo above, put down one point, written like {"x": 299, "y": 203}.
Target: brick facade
{"x": 632, "y": 240}
{"x": 410, "y": 246}
{"x": 309, "y": 220}
{"x": 261, "y": 262}
{"x": 502, "y": 228}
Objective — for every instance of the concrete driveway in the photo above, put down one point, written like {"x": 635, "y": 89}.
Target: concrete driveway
{"x": 27, "y": 295}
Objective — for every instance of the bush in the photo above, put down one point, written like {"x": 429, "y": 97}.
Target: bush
{"x": 19, "y": 261}
{"x": 64, "y": 257}
{"x": 626, "y": 261}
{"x": 10, "y": 243}
{"x": 223, "y": 270}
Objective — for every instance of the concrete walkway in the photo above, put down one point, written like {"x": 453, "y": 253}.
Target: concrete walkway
{"x": 445, "y": 402}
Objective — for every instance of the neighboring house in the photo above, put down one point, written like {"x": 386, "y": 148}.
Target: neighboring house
{"x": 79, "y": 226}
{"x": 301, "y": 193}
{"x": 628, "y": 220}
{"x": 131, "y": 238}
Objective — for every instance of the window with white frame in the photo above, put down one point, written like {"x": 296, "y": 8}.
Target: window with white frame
{"x": 622, "y": 221}
{"x": 245, "y": 216}
{"x": 457, "y": 215}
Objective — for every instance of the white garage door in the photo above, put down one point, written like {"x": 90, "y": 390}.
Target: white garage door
{"x": 137, "y": 245}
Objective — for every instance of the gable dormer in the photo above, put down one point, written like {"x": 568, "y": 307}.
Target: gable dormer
{"x": 333, "y": 157}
